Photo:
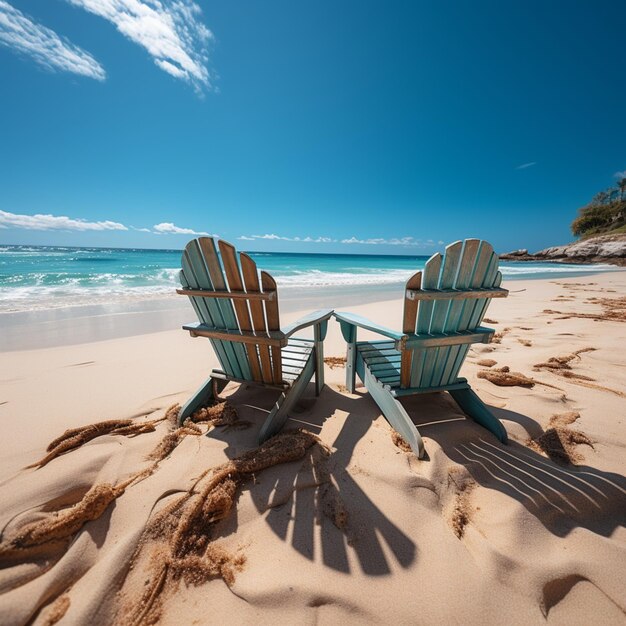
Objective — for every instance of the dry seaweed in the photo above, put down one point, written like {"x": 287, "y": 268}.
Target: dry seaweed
{"x": 560, "y": 365}
{"x": 399, "y": 441}
{"x": 562, "y": 362}
{"x": 335, "y": 361}
{"x": 171, "y": 440}
{"x": 486, "y": 362}
{"x": 56, "y": 611}
{"x": 564, "y": 419}
{"x": 504, "y": 377}
{"x": 613, "y": 310}
{"x": 222, "y": 413}
{"x": 62, "y": 525}
{"x": 180, "y": 537}
{"x": 559, "y": 444}
{"x": 74, "y": 438}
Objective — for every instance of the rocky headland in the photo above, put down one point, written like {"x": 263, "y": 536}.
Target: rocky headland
{"x": 600, "y": 249}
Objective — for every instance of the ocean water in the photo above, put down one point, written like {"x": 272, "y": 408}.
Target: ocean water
{"x": 44, "y": 277}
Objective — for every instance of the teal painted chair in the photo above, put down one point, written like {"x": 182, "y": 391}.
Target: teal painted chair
{"x": 443, "y": 309}
{"x": 238, "y": 312}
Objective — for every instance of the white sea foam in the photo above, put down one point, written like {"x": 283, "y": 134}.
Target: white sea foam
{"x": 29, "y": 290}
{"x": 553, "y": 268}
{"x": 317, "y": 278}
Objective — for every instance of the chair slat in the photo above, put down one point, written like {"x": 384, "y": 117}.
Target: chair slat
{"x": 430, "y": 280}
{"x": 207, "y": 250}
{"x": 197, "y": 276}
{"x": 273, "y": 321}
{"x": 467, "y": 320}
{"x": 467, "y": 265}
{"x": 233, "y": 276}
{"x": 218, "y": 345}
{"x": 251, "y": 280}
{"x": 408, "y": 326}
{"x": 434, "y": 313}
{"x": 477, "y": 316}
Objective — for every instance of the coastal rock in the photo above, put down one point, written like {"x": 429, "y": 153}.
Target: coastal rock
{"x": 600, "y": 249}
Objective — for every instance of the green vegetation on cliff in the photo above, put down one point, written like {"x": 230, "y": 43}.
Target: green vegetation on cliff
{"x": 606, "y": 213}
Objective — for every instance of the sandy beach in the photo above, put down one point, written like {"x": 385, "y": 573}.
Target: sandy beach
{"x": 338, "y": 525}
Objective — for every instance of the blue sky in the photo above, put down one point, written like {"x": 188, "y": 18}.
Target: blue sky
{"x": 365, "y": 127}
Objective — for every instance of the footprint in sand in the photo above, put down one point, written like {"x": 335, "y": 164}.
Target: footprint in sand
{"x": 457, "y": 507}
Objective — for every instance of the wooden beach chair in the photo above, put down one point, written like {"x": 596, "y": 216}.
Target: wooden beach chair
{"x": 238, "y": 313}
{"x": 443, "y": 308}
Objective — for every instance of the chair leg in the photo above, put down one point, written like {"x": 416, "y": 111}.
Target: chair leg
{"x": 319, "y": 360}
{"x": 475, "y": 408}
{"x": 394, "y": 413}
{"x": 201, "y": 397}
{"x": 280, "y": 413}
{"x": 351, "y": 367}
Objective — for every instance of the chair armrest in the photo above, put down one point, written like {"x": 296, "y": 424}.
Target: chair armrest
{"x": 362, "y": 322}
{"x": 317, "y": 317}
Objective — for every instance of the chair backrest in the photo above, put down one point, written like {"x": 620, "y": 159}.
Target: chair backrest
{"x": 227, "y": 296}
{"x": 451, "y": 294}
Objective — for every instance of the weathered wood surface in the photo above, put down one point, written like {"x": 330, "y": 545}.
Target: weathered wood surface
{"x": 454, "y": 294}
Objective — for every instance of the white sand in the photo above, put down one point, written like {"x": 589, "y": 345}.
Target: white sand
{"x": 539, "y": 541}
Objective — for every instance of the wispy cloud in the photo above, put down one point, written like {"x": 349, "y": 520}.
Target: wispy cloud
{"x": 23, "y": 35}
{"x": 170, "y": 30}
{"x": 394, "y": 241}
{"x": 281, "y": 238}
{"x": 620, "y": 175}
{"x": 525, "y": 166}
{"x": 54, "y": 222}
{"x": 167, "y": 228}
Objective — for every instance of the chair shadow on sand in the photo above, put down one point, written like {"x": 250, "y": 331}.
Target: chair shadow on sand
{"x": 296, "y": 495}
{"x": 562, "y": 498}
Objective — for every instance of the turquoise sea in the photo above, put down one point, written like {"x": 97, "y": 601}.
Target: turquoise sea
{"x": 41, "y": 277}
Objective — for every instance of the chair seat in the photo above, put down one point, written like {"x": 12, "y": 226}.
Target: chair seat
{"x": 294, "y": 357}
{"x": 382, "y": 359}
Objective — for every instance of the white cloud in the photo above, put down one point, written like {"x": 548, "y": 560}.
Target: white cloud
{"x": 524, "y": 166}
{"x": 170, "y": 30}
{"x": 54, "y": 222}
{"x": 394, "y": 241}
{"x": 307, "y": 239}
{"x": 167, "y": 228}
{"x": 20, "y": 33}
{"x": 620, "y": 175}
{"x": 141, "y": 230}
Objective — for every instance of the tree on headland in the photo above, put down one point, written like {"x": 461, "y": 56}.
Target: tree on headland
{"x": 606, "y": 213}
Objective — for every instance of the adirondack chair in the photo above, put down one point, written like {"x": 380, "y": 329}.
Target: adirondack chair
{"x": 443, "y": 308}
{"x": 239, "y": 315}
